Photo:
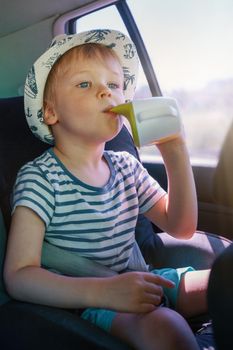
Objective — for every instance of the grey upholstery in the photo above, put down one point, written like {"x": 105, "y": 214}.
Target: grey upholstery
{"x": 3, "y": 295}
{"x": 223, "y": 184}
{"x": 199, "y": 252}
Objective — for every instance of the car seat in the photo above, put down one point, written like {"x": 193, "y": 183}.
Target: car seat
{"x": 223, "y": 185}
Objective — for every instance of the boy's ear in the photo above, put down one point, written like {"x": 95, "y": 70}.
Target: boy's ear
{"x": 50, "y": 117}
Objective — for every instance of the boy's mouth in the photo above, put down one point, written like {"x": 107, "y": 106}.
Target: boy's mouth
{"x": 108, "y": 110}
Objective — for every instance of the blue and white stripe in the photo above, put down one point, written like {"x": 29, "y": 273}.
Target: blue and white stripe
{"x": 98, "y": 223}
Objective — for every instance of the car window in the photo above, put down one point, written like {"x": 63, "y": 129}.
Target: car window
{"x": 189, "y": 46}
{"x": 188, "y": 43}
{"x": 109, "y": 17}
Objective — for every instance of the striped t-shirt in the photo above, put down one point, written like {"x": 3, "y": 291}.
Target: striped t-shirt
{"x": 96, "y": 222}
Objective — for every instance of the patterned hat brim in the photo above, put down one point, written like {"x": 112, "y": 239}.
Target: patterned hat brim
{"x": 38, "y": 74}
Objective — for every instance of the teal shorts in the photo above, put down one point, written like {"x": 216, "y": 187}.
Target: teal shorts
{"x": 103, "y": 318}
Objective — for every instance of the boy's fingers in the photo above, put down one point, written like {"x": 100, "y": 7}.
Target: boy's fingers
{"x": 153, "y": 299}
{"x": 146, "y": 307}
{"x": 161, "y": 281}
{"x": 154, "y": 289}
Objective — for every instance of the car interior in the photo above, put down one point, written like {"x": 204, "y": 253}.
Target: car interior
{"x": 26, "y": 29}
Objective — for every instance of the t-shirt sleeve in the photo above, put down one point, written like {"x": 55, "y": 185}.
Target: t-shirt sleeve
{"x": 148, "y": 189}
{"x": 34, "y": 191}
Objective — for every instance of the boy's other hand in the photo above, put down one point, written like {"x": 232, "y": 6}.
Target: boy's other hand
{"x": 137, "y": 292}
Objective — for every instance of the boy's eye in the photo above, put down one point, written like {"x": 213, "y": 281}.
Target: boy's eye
{"x": 113, "y": 86}
{"x": 84, "y": 84}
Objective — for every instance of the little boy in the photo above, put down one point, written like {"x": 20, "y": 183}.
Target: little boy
{"x": 81, "y": 198}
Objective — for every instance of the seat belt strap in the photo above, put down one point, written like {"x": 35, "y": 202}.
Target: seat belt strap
{"x": 72, "y": 264}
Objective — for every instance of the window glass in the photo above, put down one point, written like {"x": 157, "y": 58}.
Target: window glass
{"x": 190, "y": 46}
{"x": 109, "y": 17}
{"x": 191, "y": 51}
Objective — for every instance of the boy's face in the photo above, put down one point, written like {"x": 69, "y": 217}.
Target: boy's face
{"x": 83, "y": 95}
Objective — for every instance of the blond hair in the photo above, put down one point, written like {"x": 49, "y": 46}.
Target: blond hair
{"x": 84, "y": 51}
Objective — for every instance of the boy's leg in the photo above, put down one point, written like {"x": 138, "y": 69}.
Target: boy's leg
{"x": 192, "y": 293}
{"x": 162, "y": 329}
{"x": 189, "y": 296}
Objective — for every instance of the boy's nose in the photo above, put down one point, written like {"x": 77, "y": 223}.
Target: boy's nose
{"x": 104, "y": 91}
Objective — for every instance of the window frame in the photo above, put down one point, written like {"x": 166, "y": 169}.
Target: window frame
{"x": 69, "y": 20}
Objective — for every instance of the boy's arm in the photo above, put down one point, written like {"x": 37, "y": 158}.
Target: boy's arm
{"x": 27, "y": 281}
{"x": 176, "y": 213}
{"x": 24, "y": 277}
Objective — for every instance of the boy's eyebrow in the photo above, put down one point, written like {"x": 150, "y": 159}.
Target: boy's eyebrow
{"x": 116, "y": 73}
{"x": 81, "y": 72}
{"x": 88, "y": 71}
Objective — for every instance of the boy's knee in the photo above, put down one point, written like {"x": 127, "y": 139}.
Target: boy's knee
{"x": 166, "y": 318}
{"x": 162, "y": 328}
{"x": 174, "y": 328}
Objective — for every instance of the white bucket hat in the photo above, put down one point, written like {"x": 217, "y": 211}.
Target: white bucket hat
{"x": 38, "y": 74}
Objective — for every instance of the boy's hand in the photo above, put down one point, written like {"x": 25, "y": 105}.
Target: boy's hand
{"x": 136, "y": 292}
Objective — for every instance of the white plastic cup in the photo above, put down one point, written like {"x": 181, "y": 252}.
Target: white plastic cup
{"x": 152, "y": 120}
